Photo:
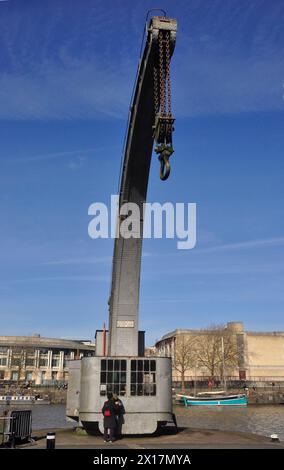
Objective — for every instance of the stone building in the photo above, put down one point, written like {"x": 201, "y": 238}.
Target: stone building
{"x": 37, "y": 359}
{"x": 260, "y": 355}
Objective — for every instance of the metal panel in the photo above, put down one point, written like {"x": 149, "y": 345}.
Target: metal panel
{"x": 73, "y": 391}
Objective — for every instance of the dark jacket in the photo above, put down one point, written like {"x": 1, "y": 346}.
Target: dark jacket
{"x": 119, "y": 408}
{"x": 109, "y": 421}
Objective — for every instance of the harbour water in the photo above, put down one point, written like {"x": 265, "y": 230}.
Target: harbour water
{"x": 256, "y": 419}
{"x": 262, "y": 419}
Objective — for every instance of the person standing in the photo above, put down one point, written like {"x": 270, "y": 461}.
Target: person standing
{"x": 109, "y": 413}
{"x": 119, "y": 412}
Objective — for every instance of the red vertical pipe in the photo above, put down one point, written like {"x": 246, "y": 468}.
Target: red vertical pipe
{"x": 104, "y": 339}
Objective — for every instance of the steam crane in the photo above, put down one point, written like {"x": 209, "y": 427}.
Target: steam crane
{"x": 143, "y": 383}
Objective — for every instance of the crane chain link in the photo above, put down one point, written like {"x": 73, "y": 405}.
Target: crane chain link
{"x": 168, "y": 78}
{"x": 162, "y": 104}
{"x": 156, "y": 91}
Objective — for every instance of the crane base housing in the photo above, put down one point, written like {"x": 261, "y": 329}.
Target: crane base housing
{"x": 142, "y": 383}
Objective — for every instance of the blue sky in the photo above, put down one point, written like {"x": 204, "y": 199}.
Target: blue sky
{"x": 66, "y": 75}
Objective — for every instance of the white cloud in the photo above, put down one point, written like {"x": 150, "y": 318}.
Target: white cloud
{"x": 78, "y": 156}
{"x": 84, "y": 72}
{"x": 245, "y": 245}
{"x": 59, "y": 278}
{"x": 86, "y": 260}
{"x": 215, "y": 84}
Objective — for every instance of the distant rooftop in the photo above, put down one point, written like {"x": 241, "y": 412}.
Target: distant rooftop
{"x": 38, "y": 341}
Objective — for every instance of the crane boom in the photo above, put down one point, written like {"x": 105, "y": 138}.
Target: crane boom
{"x": 150, "y": 118}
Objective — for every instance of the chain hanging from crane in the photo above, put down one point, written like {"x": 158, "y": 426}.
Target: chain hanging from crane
{"x": 164, "y": 120}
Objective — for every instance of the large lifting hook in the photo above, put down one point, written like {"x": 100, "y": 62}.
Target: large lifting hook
{"x": 164, "y": 151}
{"x": 163, "y": 130}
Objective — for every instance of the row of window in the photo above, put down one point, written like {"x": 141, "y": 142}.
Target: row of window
{"x": 143, "y": 377}
{"x": 31, "y": 362}
{"x": 18, "y": 352}
{"x": 28, "y": 358}
{"x": 29, "y": 375}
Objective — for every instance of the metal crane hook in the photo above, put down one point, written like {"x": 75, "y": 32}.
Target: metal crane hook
{"x": 165, "y": 167}
{"x": 164, "y": 151}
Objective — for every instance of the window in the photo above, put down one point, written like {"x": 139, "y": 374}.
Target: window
{"x": 89, "y": 353}
{"x": 143, "y": 377}
{"x": 18, "y": 356}
{"x": 15, "y": 375}
{"x": 113, "y": 376}
{"x": 68, "y": 356}
{"x": 29, "y": 375}
{"x": 43, "y": 362}
{"x": 30, "y": 361}
{"x": 43, "y": 357}
{"x": 55, "y": 361}
{"x": 3, "y": 356}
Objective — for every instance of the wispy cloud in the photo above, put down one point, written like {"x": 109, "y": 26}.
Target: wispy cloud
{"x": 78, "y": 154}
{"x": 86, "y": 260}
{"x": 227, "y": 60}
{"x": 215, "y": 270}
{"x": 77, "y": 162}
{"x": 245, "y": 245}
{"x": 220, "y": 85}
{"x": 59, "y": 279}
{"x": 229, "y": 247}
{"x": 56, "y": 72}
{"x": 225, "y": 247}
{"x": 64, "y": 93}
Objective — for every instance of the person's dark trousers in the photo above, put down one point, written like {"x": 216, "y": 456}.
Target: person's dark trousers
{"x": 108, "y": 434}
{"x": 118, "y": 430}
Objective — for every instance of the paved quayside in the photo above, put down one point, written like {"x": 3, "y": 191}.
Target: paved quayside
{"x": 185, "y": 439}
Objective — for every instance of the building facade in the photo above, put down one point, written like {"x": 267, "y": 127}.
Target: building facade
{"x": 260, "y": 355}
{"x": 39, "y": 360}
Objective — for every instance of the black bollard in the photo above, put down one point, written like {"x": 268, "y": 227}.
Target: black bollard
{"x": 50, "y": 440}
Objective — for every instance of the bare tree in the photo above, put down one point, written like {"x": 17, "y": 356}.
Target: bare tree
{"x": 18, "y": 360}
{"x": 184, "y": 355}
{"x": 216, "y": 349}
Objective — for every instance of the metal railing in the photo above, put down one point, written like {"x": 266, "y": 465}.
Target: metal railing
{"x": 15, "y": 427}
